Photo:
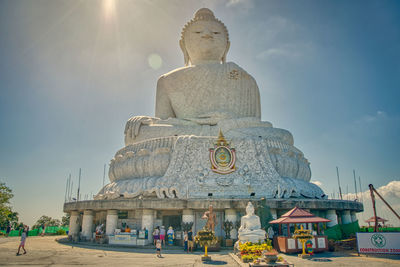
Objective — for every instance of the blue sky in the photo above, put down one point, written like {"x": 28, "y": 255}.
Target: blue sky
{"x": 73, "y": 72}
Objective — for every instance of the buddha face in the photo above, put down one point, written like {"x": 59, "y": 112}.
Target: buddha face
{"x": 250, "y": 209}
{"x": 205, "y": 41}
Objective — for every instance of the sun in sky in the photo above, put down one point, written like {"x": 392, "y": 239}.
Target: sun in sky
{"x": 109, "y": 9}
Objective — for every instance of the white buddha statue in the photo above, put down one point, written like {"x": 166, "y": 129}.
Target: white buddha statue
{"x": 168, "y": 155}
{"x": 250, "y": 227}
{"x": 207, "y": 91}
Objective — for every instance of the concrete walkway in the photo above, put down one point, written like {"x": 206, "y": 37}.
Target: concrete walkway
{"x": 46, "y": 251}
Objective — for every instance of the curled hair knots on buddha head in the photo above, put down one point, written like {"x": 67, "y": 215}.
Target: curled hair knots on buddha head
{"x": 203, "y": 14}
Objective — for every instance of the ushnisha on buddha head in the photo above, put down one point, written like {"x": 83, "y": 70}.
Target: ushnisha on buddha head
{"x": 204, "y": 39}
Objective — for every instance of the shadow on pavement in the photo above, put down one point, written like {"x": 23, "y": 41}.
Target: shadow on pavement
{"x": 320, "y": 259}
{"x": 135, "y": 249}
{"x": 215, "y": 262}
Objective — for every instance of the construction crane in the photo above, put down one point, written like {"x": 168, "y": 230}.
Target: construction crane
{"x": 372, "y": 191}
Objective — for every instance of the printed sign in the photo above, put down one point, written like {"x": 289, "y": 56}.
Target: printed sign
{"x": 291, "y": 243}
{"x": 123, "y": 237}
{"x": 379, "y": 243}
{"x": 321, "y": 242}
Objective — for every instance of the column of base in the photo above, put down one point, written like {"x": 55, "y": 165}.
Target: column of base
{"x": 87, "y": 224}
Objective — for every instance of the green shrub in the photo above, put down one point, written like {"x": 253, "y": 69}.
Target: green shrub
{"x": 61, "y": 232}
{"x": 249, "y": 258}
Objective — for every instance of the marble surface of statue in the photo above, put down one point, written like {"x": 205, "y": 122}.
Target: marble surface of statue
{"x": 186, "y": 98}
{"x": 250, "y": 227}
{"x": 167, "y": 155}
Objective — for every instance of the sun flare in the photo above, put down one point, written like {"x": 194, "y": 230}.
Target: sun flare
{"x": 109, "y": 9}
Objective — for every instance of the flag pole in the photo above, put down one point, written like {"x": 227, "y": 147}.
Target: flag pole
{"x": 79, "y": 185}
{"x": 338, "y": 180}
{"x": 104, "y": 176}
{"x": 355, "y": 183}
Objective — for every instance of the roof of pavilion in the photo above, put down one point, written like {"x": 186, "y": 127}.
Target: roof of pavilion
{"x": 297, "y": 215}
{"x": 372, "y": 219}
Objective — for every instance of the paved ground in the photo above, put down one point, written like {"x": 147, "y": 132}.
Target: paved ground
{"x": 343, "y": 259}
{"x": 45, "y": 251}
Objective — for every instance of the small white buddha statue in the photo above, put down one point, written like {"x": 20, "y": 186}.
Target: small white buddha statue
{"x": 250, "y": 227}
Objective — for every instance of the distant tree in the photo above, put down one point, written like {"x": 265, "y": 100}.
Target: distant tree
{"x": 65, "y": 220}
{"x": 47, "y": 220}
{"x": 263, "y": 211}
{"x": 13, "y": 219}
{"x": 7, "y": 216}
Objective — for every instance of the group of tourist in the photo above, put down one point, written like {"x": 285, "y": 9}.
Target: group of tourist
{"x": 159, "y": 239}
{"x": 161, "y": 234}
{"x": 188, "y": 240}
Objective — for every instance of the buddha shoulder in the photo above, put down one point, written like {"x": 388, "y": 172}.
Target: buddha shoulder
{"x": 229, "y": 71}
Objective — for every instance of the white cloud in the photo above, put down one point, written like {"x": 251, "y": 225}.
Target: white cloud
{"x": 246, "y": 3}
{"x": 316, "y": 183}
{"x": 379, "y": 115}
{"x": 390, "y": 192}
{"x": 291, "y": 51}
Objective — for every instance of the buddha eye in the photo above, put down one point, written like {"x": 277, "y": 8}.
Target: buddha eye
{"x": 216, "y": 32}
{"x": 197, "y": 32}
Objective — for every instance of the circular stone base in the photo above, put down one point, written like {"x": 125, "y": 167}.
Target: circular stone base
{"x": 202, "y": 204}
{"x": 205, "y": 258}
{"x": 304, "y": 256}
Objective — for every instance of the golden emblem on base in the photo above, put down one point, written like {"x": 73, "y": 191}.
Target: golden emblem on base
{"x": 222, "y": 156}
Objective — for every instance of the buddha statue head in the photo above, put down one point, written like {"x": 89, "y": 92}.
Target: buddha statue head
{"x": 204, "y": 39}
{"x": 249, "y": 209}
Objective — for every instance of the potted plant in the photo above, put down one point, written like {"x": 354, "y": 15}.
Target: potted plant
{"x": 205, "y": 238}
{"x": 303, "y": 235}
{"x": 271, "y": 256}
{"x": 228, "y": 226}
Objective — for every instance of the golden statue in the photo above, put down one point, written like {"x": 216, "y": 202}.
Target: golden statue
{"x": 211, "y": 218}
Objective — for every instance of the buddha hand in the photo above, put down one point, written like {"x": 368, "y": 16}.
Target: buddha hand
{"x": 132, "y": 126}
{"x": 211, "y": 118}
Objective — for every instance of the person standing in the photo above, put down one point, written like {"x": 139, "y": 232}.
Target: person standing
{"x": 190, "y": 240}
{"x": 156, "y": 234}
{"x": 185, "y": 240}
{"x": 22, "y": 244}
{"x": 271, "y": 234}
{"x": 43, "y": 229}
{"x": 162, "y": 235}
{"x": 158, "y": 248}
{"x": 8, "y": 230}
{"x": 170, "y": 234}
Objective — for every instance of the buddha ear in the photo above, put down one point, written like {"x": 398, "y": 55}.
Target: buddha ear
{"x": 185, "y": 53}
{"x": 223, "y": 59}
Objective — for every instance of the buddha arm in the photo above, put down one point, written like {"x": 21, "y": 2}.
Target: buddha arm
{"x": 163, "y": 104}
{"x": 255, "y": 101}
{"x": 242, "y": 225}
{"x": 258, "y": 104}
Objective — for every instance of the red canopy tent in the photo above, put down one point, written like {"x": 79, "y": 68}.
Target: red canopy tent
{"x": 379, "y": 219}
{"x": 297, "y": 215}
